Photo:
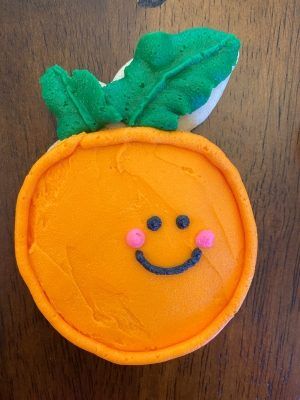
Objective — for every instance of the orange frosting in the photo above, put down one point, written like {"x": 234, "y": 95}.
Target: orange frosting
{"x": 74, "y": 211}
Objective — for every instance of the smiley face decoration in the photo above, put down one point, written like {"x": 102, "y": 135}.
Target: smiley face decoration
{"x": 138, "y": 242}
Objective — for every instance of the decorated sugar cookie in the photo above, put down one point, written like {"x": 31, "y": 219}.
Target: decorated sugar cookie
{"x": 138, "y": 242}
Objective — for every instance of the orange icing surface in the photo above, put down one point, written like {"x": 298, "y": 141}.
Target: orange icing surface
{"x": 74, "y": 211}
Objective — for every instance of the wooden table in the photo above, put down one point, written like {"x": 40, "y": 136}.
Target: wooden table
{"x": 256, "y": 123}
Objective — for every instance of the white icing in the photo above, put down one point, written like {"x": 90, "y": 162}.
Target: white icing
{"x": 53, "y": 145}
{"x": 120, "y": 73}
{"x": 190, "y": 121}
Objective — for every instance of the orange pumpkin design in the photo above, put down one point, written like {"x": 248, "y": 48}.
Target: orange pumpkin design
{"x": 137, "y": 244}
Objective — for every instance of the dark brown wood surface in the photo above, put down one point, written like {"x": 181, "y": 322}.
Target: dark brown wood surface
{"x": 256, "y": 123}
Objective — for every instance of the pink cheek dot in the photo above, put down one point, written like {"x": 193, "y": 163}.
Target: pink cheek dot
{"x": 205, "y": 239}
{"x": 135, "y": 238}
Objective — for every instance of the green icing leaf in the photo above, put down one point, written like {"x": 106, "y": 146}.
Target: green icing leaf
{"x": 77, "y": 101}
{"x": 172, "y": 75}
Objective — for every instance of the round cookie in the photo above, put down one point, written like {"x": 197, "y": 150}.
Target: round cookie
{"x": 74, "y": 212}
{"x": 138, "y": 244}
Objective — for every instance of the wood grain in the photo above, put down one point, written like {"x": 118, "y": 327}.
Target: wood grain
{"x": 257, "y": 125}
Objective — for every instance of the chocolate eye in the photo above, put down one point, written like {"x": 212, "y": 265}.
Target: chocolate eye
{"x": 182, "y": 221}
{"x": 154, "y": 223}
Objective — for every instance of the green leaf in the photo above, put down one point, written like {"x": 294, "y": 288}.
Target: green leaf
{"x": 172, "y": 75}
{"x": 77, "y": 101}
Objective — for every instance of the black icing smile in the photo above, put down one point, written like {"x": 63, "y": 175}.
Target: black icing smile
{"x": 177, "y": 269}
